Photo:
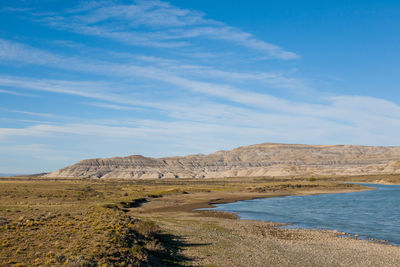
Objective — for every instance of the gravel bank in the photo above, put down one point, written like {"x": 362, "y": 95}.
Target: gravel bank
{"x": 220, "y": 239}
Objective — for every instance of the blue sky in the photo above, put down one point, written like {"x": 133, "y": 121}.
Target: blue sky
{"x": 86, "y": 79}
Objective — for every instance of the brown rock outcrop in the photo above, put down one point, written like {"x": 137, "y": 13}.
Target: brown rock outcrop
{"x": 257, "y": 160}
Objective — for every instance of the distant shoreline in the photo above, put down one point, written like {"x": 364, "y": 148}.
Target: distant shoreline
{"x": 209, "y": 200}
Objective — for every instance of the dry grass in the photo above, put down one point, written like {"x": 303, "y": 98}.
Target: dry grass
{"x": 76, "y": 222}
{"x": 83, "y": 222}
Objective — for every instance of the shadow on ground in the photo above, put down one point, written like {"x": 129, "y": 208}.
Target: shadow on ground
{"x": 174, "y": 246}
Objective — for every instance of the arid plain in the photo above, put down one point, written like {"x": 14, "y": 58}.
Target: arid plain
{"x": 116, "y": 222}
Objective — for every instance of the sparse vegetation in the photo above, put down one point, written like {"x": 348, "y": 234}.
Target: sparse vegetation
{"x": 78, "y": 223}
{"x": 91, "y": 222}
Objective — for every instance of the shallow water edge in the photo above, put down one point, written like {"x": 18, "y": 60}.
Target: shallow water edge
{"x": 370, "y": 215}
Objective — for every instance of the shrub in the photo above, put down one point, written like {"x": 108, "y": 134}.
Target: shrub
{"x": 147, "y": 228}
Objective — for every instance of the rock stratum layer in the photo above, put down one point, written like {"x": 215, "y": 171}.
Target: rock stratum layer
{"x": 256, "y": 160}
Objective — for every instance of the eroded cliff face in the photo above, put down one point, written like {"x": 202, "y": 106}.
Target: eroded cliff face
{"x": 256, "y": 160}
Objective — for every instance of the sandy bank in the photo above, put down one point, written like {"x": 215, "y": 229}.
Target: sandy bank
{"x": 210, "y": 237}
{"x": 193, "y": 201}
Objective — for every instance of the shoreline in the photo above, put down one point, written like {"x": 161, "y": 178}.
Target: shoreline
{"x": 209, "y": 199}
{"x": 206, "y": 208}
{"x": 45, "y": 214}
{"x": 380, "y": 182}
{"x": 222, "y": 239}
{"x": 211, "y": 207}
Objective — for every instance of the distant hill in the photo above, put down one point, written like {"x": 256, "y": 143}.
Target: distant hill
{"x": 8, "y": 174}
{"x": 20, "y": 174}
{"x": 36, "y": 174}
{"x": 267, "y": 159}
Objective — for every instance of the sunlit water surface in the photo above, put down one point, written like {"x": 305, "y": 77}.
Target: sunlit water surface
{"x": 369, "y": 214}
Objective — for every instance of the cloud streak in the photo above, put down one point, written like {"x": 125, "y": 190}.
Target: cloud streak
{"x": 167, "y": 26}
{"x": 15, "y": 93}
{"x": 155, "y": 79}
{"x": 337, "y": 107}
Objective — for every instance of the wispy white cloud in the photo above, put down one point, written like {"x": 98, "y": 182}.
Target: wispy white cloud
{"x": 348, "y": 109}
{"x": 46, "y": 115}
{"x": 15, "y": 9}
{"x": 337, "y": 108}
{"x": 230, "y": 34}
{"x": 111, "y": 106}
{"x": 15, "y": 51}
{"x": 259, "y": 127}
{"x": 16, "y": 93}
{"x": 139, "y": 13}
{"x": 167, "y": 26}
{"x": 88, "y": 89}
{"x": 168, "y": 102}
{"x": 13, "y": 120}
{"x": 67, "y": 43}
{"x": 39, "y": 151}
{"x": 23, "y": 53}
{"x": 39, "y": 114}
{"x": 276, "y": 79}
{"x": 208, "y": 127}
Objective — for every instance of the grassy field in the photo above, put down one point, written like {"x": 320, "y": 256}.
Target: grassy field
{"x": 88, "y": 222}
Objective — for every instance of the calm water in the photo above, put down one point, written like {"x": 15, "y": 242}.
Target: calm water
{"x": 370, "y": 214}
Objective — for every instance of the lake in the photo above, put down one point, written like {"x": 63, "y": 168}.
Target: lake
{"x": 369, "y": 214}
